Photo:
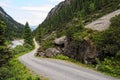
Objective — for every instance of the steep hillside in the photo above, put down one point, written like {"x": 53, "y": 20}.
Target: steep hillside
{"x": 58, "y": 8}
{"x": 97, "y": 45}
{"x": 83, "y": 11}
{"x": 69, "y": 18}
{"x": 14, "y": 29}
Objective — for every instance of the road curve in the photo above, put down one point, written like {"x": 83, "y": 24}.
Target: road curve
{"x": 58, "y": 69}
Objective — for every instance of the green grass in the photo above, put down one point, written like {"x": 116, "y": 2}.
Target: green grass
{"x": 61, "y": 57}
{"x": 67, "y": 59}
{"x": 15, "y": 70}
{"x": 19, "y": 72}
{"x": 105, "y": 67}
{"x": 110, "y": 66}
{"x": 7, "y": 42}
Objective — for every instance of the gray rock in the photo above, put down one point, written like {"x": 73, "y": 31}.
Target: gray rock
{"x": 60, "y": 41}
{"x": 41, "y": 54}
{"x": 84, "y": 51}
{"x": 51, "y": 52}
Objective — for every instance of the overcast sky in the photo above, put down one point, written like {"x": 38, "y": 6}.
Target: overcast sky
{"x": 33, "y": 11}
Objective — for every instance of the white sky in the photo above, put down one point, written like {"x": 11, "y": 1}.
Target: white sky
{"x": 33, "y": 11}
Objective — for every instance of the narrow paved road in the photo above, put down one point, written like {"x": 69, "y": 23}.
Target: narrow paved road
{"x": 102, "y": 23}
{"x": 59, "y": 70}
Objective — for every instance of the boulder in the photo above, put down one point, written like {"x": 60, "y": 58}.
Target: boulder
{"x": 40, "y": 53}
{"x": 51, "y": 52}
{"x": 84, "y": 51}
{"x": 60, "y": 41}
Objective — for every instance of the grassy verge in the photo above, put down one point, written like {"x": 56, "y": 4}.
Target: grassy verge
{"x": 105, "y": 69}
{"x": 67, "y": 59}
{"x": 15, "y": 70}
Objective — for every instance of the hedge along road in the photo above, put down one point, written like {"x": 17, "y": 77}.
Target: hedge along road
{"x": 58, "y": 69}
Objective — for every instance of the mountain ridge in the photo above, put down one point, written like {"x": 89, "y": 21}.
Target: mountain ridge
{"x": 13, "y": 27}
{"x": 57, "y": 8}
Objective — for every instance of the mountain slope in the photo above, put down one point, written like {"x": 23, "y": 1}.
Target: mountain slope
{"x": 14, "y": 29}
{"x": 88, "y": 45}
{"x": 81, "y": 11}
{"x": 70, "y": 17}
{"x": 57, "y": 8}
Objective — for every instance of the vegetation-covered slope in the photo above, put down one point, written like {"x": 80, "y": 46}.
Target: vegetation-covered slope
{"x": 4, "y": 54}
{"x": 85, "y": 45}
{"x": 108, "y": 44}
{"x": 81, "y": 10}
{"x": 10, "y": 67}
{"x": 13, "y": 28}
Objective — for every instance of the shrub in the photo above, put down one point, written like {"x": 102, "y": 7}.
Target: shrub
{"x": 62, "y": 57}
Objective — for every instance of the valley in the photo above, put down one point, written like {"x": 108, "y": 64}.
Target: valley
{"x": 68, "y": 40}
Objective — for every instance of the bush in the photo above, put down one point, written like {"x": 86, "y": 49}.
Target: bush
{"x": 110, "y": 66}
{"x": 62, "y": 57}
{"x": 19, "y": 49}
{"x": 108, "y": 41}
{"x": 14, "y": 70}
{"x": 118, "y": 54}
{"x": 28, "y": 46}
{"x": 108, "y": 46}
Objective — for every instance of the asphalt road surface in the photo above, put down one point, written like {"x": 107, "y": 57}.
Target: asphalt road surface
{"x": 58, "y": 69}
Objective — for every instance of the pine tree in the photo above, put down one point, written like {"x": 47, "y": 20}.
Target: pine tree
{"x": 28, "y": 39}
{"x": 4, "y": 53}
{"x": 39, "y": 34}
{"x": 2, "y": 31}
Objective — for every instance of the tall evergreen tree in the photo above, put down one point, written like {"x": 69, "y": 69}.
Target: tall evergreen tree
{"x": 28, "y": 39}
{"x": 39, "y": 34}
{"x": 2, "y": 31}
{"x": 4, "y": 54}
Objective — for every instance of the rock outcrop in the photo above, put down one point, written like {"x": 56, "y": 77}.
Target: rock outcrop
{"x": 102, "y": 23}
{"x": 84, "y": 51}
{"x": 50, "y": 52}
{"x": 60, "y": 43}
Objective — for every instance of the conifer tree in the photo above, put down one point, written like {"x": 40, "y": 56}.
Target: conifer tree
{"x": 28, "y": 39}
{"x": 2, "y": 31}
{"x": 4, "y": 54}
{"x": 39, "y": 37}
